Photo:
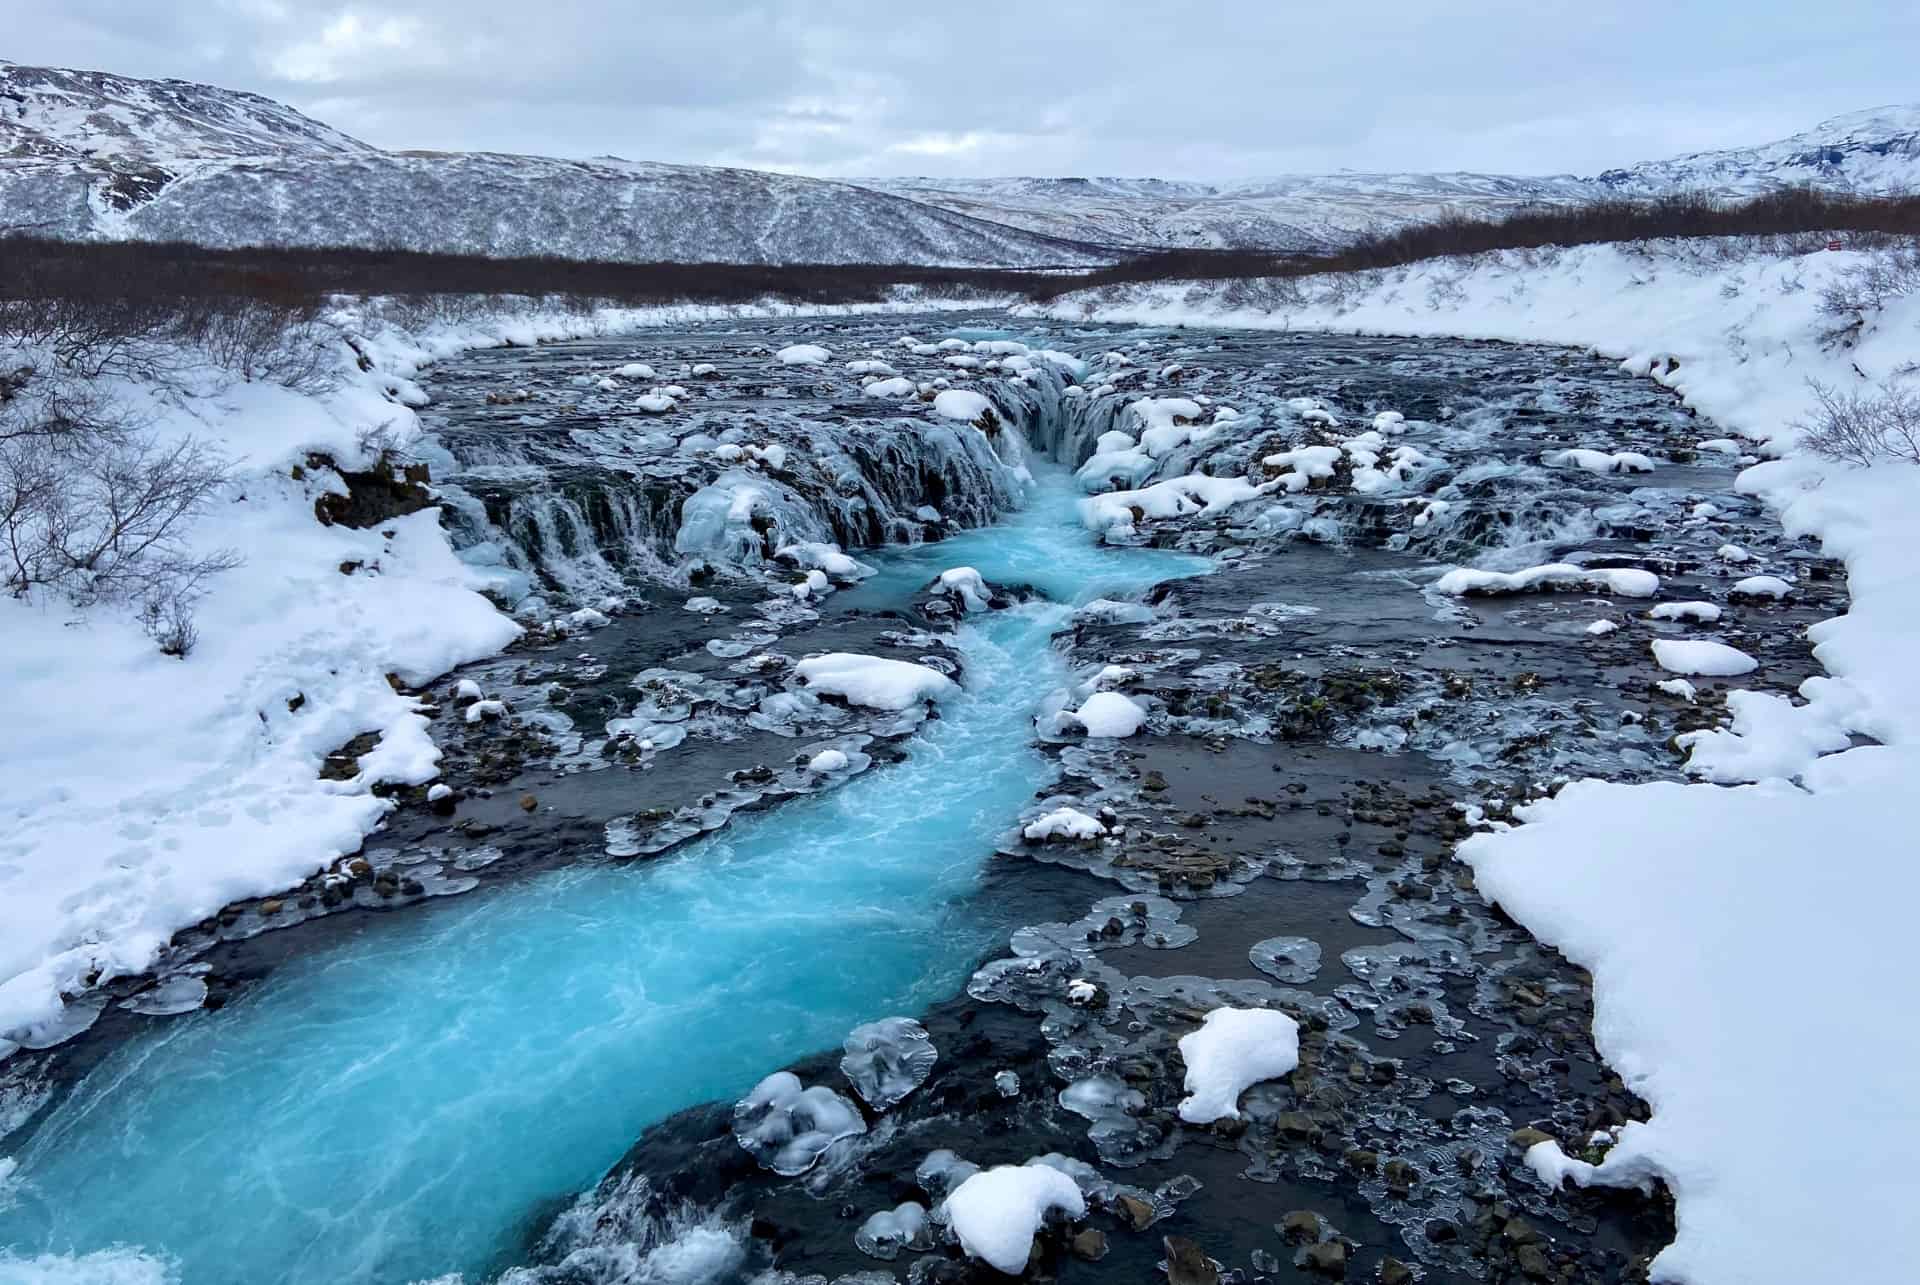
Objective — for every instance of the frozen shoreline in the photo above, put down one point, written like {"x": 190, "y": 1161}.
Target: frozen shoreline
{"x": 145, "y": 793}
{"x": 1733, "y": 935}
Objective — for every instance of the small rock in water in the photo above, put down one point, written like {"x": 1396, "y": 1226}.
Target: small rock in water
{"x": 1187, "y": 1265}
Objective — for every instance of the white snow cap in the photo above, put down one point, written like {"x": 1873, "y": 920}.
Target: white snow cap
{"x": 1110, "y": 714}
{"x": 961, "y": 404}
{"x": 803, "y": 355}
{"x": 996, "y": 1212}
{"x": 1628, "y": 582}
{"x": 1762, "y": 587}
{"x": 874, "y": 681}
{"x": 1064, "y": 823}
{"x": 1600, "y": 461}
{"x": 827, "y": 761}
{"x": 1234, "y": 1048}
{"x": 1700, "y": 656}
{"x": 1705, "y": 612}
{"x": 966, "y": 584}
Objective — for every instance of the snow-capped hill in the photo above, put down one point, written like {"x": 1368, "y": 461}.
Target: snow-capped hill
{"x": 1289, "y": 212}
{"x": 1874, "y": 151}
{"x": 53, "y": 113}
{"x": 88, "y": 155}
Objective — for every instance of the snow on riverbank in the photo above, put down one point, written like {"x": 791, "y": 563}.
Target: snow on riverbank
{"x": 140, "y": 793}
{"x": 1743, "y": 942}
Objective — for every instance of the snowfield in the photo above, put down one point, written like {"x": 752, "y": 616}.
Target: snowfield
{"x": 1739, "y": 935}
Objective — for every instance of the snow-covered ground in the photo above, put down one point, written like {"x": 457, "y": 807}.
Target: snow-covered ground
{"x": 140, "y": 793}
{"x": 1742, "y": 937}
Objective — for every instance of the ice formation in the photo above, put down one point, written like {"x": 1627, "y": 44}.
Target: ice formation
{"x": 888, "y": 1059}
{"x": 787, "y": 1127}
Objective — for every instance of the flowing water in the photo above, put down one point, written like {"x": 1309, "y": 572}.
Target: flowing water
{"x": 415, "y": 1101}
{"x": 420, "y": 1093}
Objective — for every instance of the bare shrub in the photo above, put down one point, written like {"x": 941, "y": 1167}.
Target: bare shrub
{"x": 1863, "y": 427}
{"x": 94, "y": 507}
{"x": 1891, "y": 273}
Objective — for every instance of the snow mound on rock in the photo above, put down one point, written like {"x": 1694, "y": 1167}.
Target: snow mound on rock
{"x": 874, "y": 681}
{"x": 996, "y": 1212}
{"x": 1703, "y": 657}
{"x": 1233, "y": 1049}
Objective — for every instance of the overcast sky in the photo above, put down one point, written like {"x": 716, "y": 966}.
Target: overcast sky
{"x": 1175, "y": 88}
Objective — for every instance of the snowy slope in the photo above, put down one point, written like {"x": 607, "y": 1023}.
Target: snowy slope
{"x": 1291, "y": 212}
{"x": 86, "y": 155}
{"x": 1727, "y": 923}
{"x": 52, "y": 113}
{"x": 1873, "y": 151}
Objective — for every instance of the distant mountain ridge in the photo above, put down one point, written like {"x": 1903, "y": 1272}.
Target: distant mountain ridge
{"x": 91, "y": 155}
{"x": 1871, "y": 152}
{"x": 87, "y": 155}
{"x": 1876, "y": 152}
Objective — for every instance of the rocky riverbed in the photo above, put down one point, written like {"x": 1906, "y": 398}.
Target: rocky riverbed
{"x": 1321, "y": 721}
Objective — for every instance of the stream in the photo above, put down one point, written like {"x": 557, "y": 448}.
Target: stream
{"x": 420, "y": 1093}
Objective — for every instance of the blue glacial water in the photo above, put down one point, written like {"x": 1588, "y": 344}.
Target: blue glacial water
{"x": 415, "y": 1100}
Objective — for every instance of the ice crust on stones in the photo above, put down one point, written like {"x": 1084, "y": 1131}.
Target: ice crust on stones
{"x": 1293, "y": 960}
{"x": 1234, "y": 1049}
{"x": 888, "y": 1059}
{"x": 787, "y": 1126}
{"x": 996, "y": 1212}
{"x": 888, "y": 1232}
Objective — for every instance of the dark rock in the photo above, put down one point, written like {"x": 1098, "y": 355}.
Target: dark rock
{"x": 1089, "y": 1244}
{"x": 1137, "y": 1212}
{"x": 1328, "y": 1258}
{"x": 1187, "y": 1265}
{"x": 1300, "y": 1227}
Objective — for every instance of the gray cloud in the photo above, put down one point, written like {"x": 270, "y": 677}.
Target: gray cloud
{"x": 1210, "y": 88}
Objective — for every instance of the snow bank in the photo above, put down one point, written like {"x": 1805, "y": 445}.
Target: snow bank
{"x": 1233, "y": 1049}
{"x": 874, "y": 681}
{"x": 1703, "y": 657}
{"x": 1109, "y": 714}
{"x": 996, "y": 1212}
{"x": 1728, "y": 930}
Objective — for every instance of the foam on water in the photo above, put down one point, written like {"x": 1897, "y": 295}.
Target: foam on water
{"x": 419, "y": 1100}
{"x": 1042, "y": 545}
